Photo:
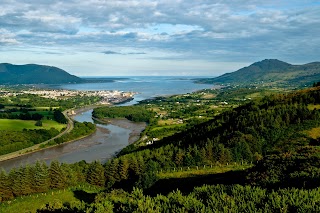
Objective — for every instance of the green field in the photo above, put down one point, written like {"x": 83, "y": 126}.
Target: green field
{"x": 208, "y": 170}
{"x": 55, "y": 197}
{"x": 18, "y": 125}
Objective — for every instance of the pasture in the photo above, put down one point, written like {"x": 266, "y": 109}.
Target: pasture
{"x": 19, "y": 125}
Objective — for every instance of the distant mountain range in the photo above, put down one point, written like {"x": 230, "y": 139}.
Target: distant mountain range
{"x": 35, "y": 74}
{"x": 270, "y": 71}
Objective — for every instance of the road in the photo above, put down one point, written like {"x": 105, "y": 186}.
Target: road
{"x": 36, "y": 147}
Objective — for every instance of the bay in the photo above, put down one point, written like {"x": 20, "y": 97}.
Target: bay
{"x": 146, "y": 86}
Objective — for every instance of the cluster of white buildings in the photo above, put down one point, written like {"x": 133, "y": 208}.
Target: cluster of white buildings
{"x": 112, "y": 96}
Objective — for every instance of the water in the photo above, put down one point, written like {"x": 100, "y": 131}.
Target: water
{"x": 108, "y": 139}
{"x": 102, "y": 145}
{"x": 146, "y": 87}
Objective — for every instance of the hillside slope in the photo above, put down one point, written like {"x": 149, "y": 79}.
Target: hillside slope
{"x": 35, "y": 74}
{"x": 271, "y": 71}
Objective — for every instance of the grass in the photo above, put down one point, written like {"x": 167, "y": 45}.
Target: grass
{"x": 208, "y": 170}
{"x": 186, "y": 180}
{"x": 313, "y": 133}
{"x": 312, "y": 106}
{"x": 23, "y": 204}
{"x": 168, "y": 122}
{"x": 45, "y": 108}
{"x": 209, "y": 96}
{"x": 31, "y": 203}
{"x": 19, "y": 125}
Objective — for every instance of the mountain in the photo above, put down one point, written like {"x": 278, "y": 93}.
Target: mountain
{"x": 35, "y": 74}
{"x": 271, "y": 71}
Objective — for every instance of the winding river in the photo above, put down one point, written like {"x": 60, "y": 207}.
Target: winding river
{"x": 109, "y": 138}
{"x": 102, "y": 145}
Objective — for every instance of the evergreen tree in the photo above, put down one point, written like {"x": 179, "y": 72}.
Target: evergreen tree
{"x": 41, "y": 179}
{"x": 16, "y": 177}
{"x": 124, "y": 169}
{"x": 27, "y": 180}
{"x": 96, "y": 174}
{"x": 112, "y": 174}
{"x": 5, "y": 190}
{"x": 56, "y": 175}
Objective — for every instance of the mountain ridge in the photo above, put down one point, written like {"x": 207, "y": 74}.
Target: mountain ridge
{"x": 271, "y": 71}
{"x": 35, "y": 74}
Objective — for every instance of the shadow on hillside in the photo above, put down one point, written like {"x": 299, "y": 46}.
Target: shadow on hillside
{"x": 186, "y": 185}
{"x": 84, "y": 196}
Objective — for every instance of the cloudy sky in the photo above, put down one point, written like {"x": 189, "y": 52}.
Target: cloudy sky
{"x": 157, "y": 37}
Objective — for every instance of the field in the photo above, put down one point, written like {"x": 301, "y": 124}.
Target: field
{"x": 56, "y": 198}
{"x": 208, "y": 170}
{"x": 19, "y": 125}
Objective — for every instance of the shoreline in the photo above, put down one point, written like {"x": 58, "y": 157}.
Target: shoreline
{"x": 136, "y": 128}
{"x": 36, "y": 147}
{"x": 40, "y": 149}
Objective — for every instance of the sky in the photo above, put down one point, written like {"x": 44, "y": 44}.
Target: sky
{"x": 158, "y": 37}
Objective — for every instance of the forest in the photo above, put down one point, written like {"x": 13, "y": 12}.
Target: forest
{"x": 132, "y": 113}
{"x": 276, "y": 136}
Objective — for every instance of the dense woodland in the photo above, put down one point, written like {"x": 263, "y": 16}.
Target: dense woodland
{"x": 79, "y": 130}
{"x": 271, "y": 132}
{"x": 11, "y": 141}
{"x": 132, "y": 113}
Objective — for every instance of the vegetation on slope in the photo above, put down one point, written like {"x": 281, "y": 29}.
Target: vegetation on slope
{"x": 271, "y": 72}
{"x": 35, "y": 74}
{"x": 273, "y": 133}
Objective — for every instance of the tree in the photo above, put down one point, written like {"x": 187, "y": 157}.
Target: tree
{"x": 149, "y": 177}
{"x": 59, "y": 117}
{"x": 41, "y": 181}
{"x": 38, "y": 123}
{"x": 124, "y": 169}
{"x": 96, "y": 175}
{"x": 56, "y": 175}
{"x": 5, "y": 190}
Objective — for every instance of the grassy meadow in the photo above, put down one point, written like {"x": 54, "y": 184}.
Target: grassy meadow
{"x": 19, "y": 125}
{"x": 56, "y": 197}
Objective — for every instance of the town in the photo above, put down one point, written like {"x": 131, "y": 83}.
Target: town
{"x": 107, "y": 97}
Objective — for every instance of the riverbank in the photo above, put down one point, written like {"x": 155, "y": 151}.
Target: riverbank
{"x": 136, "y": 128}
{"x": 37, "y": 147}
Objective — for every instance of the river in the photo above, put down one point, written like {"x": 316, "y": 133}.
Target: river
{"x": 109, "y": 138}
{"x": 102, "y": 145}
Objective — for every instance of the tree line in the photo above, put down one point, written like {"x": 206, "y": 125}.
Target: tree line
{"x": 132, "y": 113}
{"x": 218, "y": 198}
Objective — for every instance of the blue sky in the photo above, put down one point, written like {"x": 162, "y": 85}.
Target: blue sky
{"x": 157, "y": 37}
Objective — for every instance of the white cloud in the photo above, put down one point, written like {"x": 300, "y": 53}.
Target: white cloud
{"x": 210, "y": 30}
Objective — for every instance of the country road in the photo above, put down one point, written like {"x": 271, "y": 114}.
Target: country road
{"x": 36, "y": 147}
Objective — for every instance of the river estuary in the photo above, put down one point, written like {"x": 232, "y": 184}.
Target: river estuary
{"x": 109, "y": 138}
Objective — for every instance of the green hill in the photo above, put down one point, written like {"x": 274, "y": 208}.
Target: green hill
{"x": 35, "y": 74}
{"x": 277, "y": 134}
{"x": 271, "y": 71}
